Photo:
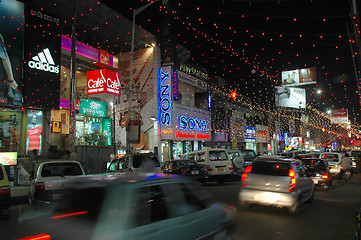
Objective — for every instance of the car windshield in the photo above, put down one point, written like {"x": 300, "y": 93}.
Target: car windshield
{"x": 139, "y": 160}
{"x": 330, "y": 157}
{"x": 61, "y": 169}
{"x": 271, "y": 168}
{"x": 218, "y": 155}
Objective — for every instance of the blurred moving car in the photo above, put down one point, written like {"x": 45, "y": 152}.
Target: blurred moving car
{"x": 48, "y": 183}
{"x": 237, "y": 159}
{"x": 333, "y": 159}
{"x": 138, "y": 205}
{"x": 219, "y": 166}
{"x": 248, "y": 156}
{"x": 276, "y": 181}
{"x": 318, "y": 170}
{"x": 5, "y": 198}
{"x": 184, "y": 167}
{"x": 147, "y": 162}
{"x": 354, "y": 155}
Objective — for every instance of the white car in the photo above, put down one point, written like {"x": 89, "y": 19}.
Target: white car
{"x": 48, "y": 182}
{"x": 333, "y": 159}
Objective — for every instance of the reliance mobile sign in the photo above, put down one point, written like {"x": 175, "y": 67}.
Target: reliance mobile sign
{"x": 103, "y": 81}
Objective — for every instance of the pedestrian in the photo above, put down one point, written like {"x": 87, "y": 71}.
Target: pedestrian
{"x": 345, "y": 164}
{"x": 358, "y": 167}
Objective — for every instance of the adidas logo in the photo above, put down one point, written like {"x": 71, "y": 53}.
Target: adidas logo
{"x": 44, "y": 61}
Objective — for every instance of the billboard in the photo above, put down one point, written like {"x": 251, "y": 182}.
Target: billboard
{"x": 34, "y": 130}
{"x": 290, "y": 97}
{"x": 103, "y": 82}
{"x": 299, "y": 77}
{"x": 9, "y": 158}
{"x": 11, "y": 52}
{"x": 42, "y": 59}
{"x": 340, "y": 115}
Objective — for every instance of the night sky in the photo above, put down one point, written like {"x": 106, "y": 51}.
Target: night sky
{"x": 232, "y": 38}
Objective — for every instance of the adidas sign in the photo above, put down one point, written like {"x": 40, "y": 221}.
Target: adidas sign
{"x": 44, "y": 61}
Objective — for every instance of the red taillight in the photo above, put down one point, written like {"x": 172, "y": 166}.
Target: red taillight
{"x": 323, "y": 155}
{"x": 208, "y": 169}
{"x": 131, "y": 170}
{"x": 325, "y": 176}
{"x": 5, "y": 190}
{"x": 69, "y": 215}
{"x": 231, "y": 168}
{"x": 41, "y": 236}
{"x": 244, "y": 175}
{"x": 292, "y": 175}
{"x": 40, "y": 186}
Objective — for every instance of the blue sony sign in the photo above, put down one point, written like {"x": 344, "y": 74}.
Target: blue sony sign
{"x": 193, "y": 124}
{"x": 165, "y": 103}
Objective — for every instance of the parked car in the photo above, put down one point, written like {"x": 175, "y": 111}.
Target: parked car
{"x": 5, "y": 197}
{"x": 276, "y": 181}
{"x": 237, "y": 159}
{"x": 307, "y": 155}
{"x": 184, "y": 167}
{"x": 48, "y": 182}
{"x": 249, "y": 156}
{"x": 318, "y": 170}
{"x": 137, "y": 205}
{"x": 136, "y": 162}
{"x": 354, "y": 155}
{"x": 333, "y": 159}
{"x": 219, "y": 166}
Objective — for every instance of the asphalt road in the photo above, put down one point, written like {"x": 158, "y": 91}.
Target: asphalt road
{"x": 330, "y": 216}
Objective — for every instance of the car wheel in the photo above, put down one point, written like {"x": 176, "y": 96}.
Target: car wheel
{"x": 295, "y": 209}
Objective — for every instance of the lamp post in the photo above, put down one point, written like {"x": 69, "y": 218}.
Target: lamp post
{"x": 130, "y": 95}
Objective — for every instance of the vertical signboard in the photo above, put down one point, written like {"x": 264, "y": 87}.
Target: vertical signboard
{"x": 11, "y": 49}
{"x": 34, "y": 130}
{"x": 42, "y": 58}
{"x": 165, "y": 100}
{"x": 250, "y": 135}
{"x": 107, "y": 130}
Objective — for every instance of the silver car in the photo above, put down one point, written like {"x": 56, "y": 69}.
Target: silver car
{"x": 276, "y": 181}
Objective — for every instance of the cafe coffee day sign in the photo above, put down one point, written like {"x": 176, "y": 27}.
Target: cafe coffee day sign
{"x": 103, "y": 82}
{"x": 93, "y": 108}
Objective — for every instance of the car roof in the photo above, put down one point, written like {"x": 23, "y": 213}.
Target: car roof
{"x": 209, "y": 149}
{"x": 120, "y": 178}
{"x": 56, "y": 161}
{"x": 275, "y": 158}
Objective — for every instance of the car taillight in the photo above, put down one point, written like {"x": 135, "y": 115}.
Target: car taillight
{"x": 5, "y": 190}
{"x": 184, "y": 172}
{"x": 41, "y": 236}
{"x": 325, "y": 176}
{"x": 244, "y": 175}
{"x": 231, "y": 212}
{"x": 292, "y": 175}
{"x": 231, "y": 168}
{"x": 208, "y": 169}
{"x": 39, "y": 186}
{"x": 131, "y": 170}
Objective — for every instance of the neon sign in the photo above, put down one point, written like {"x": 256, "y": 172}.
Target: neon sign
{"x": 193, "y": 124}
{"x": 175, "y": 85}
{"x": 187, "y": 135}
{"x": 165, "y": 98}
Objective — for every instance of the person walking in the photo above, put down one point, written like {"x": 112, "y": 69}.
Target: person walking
{"x": 358, "y": 167}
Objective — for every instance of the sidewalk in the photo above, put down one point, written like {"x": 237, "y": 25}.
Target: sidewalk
{"x": 19, "y": 194}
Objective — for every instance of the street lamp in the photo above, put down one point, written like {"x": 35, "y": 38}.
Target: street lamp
{"x": 130, "y": 95}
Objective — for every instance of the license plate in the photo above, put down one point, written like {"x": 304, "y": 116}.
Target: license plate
{"x": 315, "y": 181}
{"x": 194, "y": 172}
{"x": 266, "y": 197}
{"x": 220, "y": 169}
{"x": 332, "y": 167}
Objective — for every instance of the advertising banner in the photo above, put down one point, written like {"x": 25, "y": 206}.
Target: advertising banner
{"x": 9, "y": 158}
{"x": 34, "y": 130}
{"x": 107, "y": 130}
{"x": 299, "y": 77}
{"x": 290, "y": 97}
{"x": 93, "y": 108}
{"x": 340, "y": 115}
{"x": 60, "y": 121}
{"x": 250, "y": 134}
{"x": 42, "y": 58}
{"x": 11, "y": 52}
{"x": 103, "y": 82}
{"x": 262, "y": 134}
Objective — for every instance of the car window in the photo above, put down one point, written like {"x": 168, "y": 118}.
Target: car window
{"x": 271, "y": 168}
{"x": 140, "y": 160}
{"x": 218, "y": 155}
{"x": 114, "y": 165}
{"x": 81, "y": 201}
{"x": 233, "y": 155}
{"x": 1, "y": 174}
{"x": 248, "y": 155}
{"x": 330, "y": 157}
{"x": 61, "y": 169}
{"x": 300, "y": 169}
{"x": 355, "y": 153}
{"x": 149, "y": 206}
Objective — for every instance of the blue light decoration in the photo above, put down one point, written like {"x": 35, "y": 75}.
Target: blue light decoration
{"x": 193, "y": 124}
{"x": 209, "y": 99}
{"x": 175, "y": 85}
{"x": 165, "y": 103}
{"x": 334, "y": 145}
{"x": 286, "y": 139}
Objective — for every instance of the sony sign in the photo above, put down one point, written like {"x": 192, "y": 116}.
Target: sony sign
{"x": 165, "y": 97}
